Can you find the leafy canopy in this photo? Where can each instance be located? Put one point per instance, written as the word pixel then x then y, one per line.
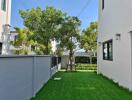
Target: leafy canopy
pixel 44 23
pixel 22 41
pixel 70 33
pixel 88 38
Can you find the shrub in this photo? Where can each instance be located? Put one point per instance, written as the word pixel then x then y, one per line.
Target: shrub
pixel 86 67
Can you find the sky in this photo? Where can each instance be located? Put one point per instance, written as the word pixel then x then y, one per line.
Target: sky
pixel 86 10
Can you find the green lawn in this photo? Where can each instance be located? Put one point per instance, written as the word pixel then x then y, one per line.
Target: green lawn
pixel 82 86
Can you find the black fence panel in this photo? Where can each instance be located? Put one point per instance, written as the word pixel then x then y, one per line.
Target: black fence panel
pixel 94 60
pixel 82 60
pixel 59 60
pixel 54 61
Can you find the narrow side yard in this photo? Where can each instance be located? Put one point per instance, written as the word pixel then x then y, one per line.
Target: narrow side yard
pixel 82 86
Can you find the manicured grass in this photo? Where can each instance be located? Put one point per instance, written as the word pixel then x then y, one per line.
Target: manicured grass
pixel 82 86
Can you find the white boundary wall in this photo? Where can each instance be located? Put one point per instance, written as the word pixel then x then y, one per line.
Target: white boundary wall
pixel 21 77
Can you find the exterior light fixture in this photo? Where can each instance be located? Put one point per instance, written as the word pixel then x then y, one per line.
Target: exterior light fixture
pixel 118 36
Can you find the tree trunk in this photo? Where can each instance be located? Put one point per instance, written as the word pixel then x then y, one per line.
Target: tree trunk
pixel 71 59
pixel 90 59
pixel 91 56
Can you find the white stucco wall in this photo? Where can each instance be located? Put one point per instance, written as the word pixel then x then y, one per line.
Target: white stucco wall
pixel 5 17
pixel 64 61
pixel 116 18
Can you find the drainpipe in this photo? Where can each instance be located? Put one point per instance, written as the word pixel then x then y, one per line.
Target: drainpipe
pixel 7 12
pixel 0 22
pixel 130 88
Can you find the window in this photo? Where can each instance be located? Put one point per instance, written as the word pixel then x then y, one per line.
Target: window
pixel 108 50
pixel 3 5
pixel 15 38
pixel 0 48
pixel 102 4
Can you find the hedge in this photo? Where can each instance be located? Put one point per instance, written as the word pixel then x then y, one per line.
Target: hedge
pixel 85 60
pixel 86 67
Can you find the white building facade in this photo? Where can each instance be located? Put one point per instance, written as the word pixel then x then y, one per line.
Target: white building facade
pixel 5 15
pixel 115 41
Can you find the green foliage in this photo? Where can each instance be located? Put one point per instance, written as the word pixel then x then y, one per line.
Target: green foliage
pixel 86 67
pixel 25 44
pixel 59 51
pixel 44 23
pixel 50 24
pixel 40 49
pixel 89 38
pixel 69 36
pixel 22 41
pixel 70 33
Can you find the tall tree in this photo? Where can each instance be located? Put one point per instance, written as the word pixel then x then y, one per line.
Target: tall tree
pixel 59 50
pixel 69 36
pixel 88 39
pixel 44 24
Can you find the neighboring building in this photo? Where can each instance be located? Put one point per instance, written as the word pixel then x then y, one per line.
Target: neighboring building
pixel 5 14
pixel 115 41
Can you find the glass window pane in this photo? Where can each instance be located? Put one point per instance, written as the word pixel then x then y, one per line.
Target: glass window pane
pixel 0 48
pixel 102 4
pixel 110 51
pixel 105 51
pixel 3 5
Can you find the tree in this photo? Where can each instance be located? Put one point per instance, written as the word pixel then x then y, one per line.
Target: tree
pixel 44 24
pixel 69 36
pixel 22 41
pixel 89 38
pixel 59 50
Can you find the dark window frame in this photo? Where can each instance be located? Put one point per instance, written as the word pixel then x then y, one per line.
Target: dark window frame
pixel 15 38
pixel 3 5
pixel 103 4
pixel 1 48
pixel 54 61
pixel 109 54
